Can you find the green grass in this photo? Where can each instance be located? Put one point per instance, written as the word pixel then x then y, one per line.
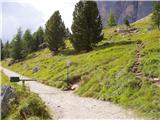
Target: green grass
pixel 25 99
pixel 104 73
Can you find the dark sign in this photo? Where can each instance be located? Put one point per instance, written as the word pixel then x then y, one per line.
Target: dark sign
pixel 14 79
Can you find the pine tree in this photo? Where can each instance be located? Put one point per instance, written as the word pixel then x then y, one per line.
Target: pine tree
pixel 126 22
pixel 35 41
pixel 16 50
pixel 67 33
pixel 86 26
pixel 38 38
pixel 55 32
pixel 111 20
pixel 40 34
pixel 156 14
pixel 6 50
pixel 2 52
pixel 28 42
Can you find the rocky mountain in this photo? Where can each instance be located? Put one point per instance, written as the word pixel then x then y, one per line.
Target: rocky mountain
pixel 133 10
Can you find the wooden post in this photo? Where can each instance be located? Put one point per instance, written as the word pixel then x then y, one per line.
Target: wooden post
pixel 68 64
pixel 23 84
pixel 67 75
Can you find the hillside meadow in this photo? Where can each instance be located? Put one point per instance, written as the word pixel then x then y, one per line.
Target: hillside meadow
pixel 105 73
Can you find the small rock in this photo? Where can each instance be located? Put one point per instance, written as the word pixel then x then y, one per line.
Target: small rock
pixel 53 53
pixel 25 67
pixel 16 61
pixel 35 69
pixel 50 55
pixel 33 55
pixel 74 86
pixel 156 79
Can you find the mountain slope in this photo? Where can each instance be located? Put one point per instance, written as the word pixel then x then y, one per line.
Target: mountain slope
pixel 105 73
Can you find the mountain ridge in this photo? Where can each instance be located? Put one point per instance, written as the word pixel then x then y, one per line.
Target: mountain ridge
pixel 133 10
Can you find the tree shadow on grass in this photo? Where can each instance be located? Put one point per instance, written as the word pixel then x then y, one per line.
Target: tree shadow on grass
pixel 111 44
pixel 67 52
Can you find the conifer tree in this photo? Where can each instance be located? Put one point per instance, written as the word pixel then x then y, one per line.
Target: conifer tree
pixel 6 50
pixel 126 22
pixel 16 50
pixel 86 26
pixel 2 52
pixel 156 14
pixel 38 38
pixel 28 42
pixel 40 34
pixel 67 33
pixel 55 32
pixel 111 20
pixel 35 41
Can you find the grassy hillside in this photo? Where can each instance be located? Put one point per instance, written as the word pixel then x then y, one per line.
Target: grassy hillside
pixel 104 73
pixel 25 100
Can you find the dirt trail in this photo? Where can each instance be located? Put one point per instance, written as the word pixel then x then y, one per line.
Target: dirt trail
pixel 136 66
pixel 66 105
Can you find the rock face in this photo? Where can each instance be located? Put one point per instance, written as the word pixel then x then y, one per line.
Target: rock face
pixel 7 93
pixel 133 10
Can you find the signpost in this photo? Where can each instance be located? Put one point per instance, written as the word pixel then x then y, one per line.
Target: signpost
pixel 68 64
pixel 17 79
pixel 14 79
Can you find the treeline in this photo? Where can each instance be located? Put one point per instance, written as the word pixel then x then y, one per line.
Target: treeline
pixel 86 32
pixel 22 44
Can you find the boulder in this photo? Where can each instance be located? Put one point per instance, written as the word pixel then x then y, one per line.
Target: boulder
pixel 7 96
pixel 11 62
pixel 42 46
pixel 121 30
pixel 35 69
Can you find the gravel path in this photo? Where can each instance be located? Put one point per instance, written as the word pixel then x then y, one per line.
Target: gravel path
pixel 66 105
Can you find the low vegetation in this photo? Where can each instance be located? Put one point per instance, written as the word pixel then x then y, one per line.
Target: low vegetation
pixel 24 101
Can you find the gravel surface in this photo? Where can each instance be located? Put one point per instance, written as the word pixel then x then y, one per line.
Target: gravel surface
pixel 66 105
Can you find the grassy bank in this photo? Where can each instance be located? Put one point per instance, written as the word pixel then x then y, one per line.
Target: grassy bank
pixel 104 73
pixel 24 100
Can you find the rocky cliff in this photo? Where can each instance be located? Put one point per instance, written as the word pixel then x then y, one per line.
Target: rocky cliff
pixel 133 10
